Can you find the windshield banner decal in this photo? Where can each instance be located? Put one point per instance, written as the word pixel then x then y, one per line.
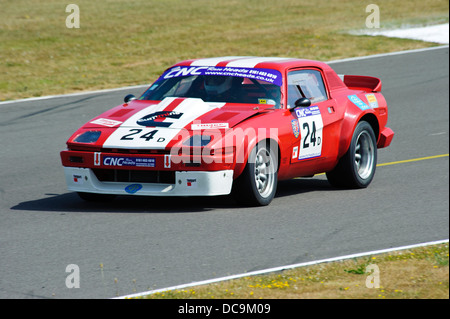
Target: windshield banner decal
pixel 268 75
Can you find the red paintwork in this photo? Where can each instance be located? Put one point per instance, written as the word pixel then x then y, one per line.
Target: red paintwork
pixel 340 116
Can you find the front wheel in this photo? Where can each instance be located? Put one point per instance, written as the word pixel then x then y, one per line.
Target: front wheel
pixel 257 184
pixel 356 168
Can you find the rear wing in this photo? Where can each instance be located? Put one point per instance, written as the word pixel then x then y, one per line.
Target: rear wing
pixel 361 82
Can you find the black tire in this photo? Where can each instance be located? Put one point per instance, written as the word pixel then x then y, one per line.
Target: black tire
pixel 257 184
pixel 92 197
pixel 356 168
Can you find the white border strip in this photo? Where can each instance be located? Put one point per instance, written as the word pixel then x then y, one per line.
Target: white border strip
pixel 147 85
pixel 281 268
pixel 380 55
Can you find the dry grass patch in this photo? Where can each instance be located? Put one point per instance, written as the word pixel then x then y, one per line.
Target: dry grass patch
pixel 420 273
pixel 123 43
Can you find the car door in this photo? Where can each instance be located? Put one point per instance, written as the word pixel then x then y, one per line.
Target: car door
pixel 317 140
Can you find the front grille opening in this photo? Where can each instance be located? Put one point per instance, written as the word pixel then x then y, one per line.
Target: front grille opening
pixel 134 176
pixel 134 151
pixel 75 159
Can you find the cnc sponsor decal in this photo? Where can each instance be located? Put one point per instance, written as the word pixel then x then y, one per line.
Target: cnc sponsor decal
pixel 157 118
pixel 295 128
pixel 311 127
pixel 129 161
pixel 133 188
pixel 267 75
pixel 106 122
pixel 371 98
pixel 309 111
pixel 358 102
pixel 204 126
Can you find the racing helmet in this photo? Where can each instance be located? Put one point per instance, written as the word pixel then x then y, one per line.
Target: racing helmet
pixel 217 84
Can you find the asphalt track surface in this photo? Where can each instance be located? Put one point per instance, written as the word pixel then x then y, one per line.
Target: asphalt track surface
pixel 138 244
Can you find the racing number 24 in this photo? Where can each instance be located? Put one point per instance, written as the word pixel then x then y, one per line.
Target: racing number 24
pixel 147 136
pixel 312 138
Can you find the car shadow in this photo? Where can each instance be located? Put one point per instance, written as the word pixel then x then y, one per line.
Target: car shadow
pixel 71 202
pixel 299 186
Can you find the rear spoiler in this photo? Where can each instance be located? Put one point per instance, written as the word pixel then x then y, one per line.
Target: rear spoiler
pixel 361 82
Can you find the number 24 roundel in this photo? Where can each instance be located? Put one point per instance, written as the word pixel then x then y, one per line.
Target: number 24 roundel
pixel 311 127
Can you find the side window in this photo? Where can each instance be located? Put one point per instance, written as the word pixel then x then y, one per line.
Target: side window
pixel 306 83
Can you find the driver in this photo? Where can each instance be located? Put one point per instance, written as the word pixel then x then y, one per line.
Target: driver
pixel 220 88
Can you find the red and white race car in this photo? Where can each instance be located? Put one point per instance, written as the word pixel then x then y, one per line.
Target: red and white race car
pixel 236 125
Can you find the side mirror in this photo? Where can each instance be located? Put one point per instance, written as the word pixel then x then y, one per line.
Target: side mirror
pixel 129 98
pixel 303 102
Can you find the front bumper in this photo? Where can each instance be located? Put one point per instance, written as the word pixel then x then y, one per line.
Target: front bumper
pixel 186 183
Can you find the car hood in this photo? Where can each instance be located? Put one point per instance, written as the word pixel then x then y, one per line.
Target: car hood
pixel 175 113
pixel 168 118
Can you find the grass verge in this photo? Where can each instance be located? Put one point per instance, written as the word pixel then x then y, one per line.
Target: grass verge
pixel 122 43
pixel 419 273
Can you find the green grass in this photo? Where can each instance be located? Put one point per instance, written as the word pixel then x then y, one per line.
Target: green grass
pixel 122 43
pixel 419 273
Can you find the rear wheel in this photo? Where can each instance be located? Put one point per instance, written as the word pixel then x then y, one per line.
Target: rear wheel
pixel 356 168
pixel 257 184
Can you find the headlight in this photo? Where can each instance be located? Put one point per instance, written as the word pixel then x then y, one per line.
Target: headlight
pixel 88 137
pixel 197 140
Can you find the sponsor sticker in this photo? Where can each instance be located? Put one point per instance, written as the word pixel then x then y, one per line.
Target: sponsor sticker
pixel 167 161
pixel 204 126
pixel 78 179
pixel 371 98
pixel 311 127
pixel 358 102
pixel 133 188
pixel 267 75
pixel 106 122
pixel 266 101
pixel 305 112
pixel 295 152
pixel 295 128
pixel 97 156
pixel 157 118
pixel 191 182
pixel 129 161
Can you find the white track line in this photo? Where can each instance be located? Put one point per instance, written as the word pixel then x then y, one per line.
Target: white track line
pixel 387 54
pixel 75 94
pixel 281 268
pixel 147 85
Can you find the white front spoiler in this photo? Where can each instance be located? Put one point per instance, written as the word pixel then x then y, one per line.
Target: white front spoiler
pixel 187 183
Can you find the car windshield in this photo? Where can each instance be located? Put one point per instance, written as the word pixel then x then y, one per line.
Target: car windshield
pixel 214 84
